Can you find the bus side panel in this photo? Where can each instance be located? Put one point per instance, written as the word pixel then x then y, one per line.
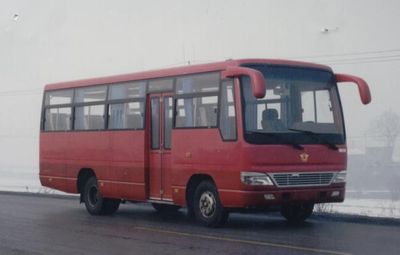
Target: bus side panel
pixel 126 172
pixel 90 150
pixel 117 158
pixel 52 160
pixel 206 153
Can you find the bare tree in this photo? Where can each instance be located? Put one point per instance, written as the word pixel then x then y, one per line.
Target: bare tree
pixel 387 127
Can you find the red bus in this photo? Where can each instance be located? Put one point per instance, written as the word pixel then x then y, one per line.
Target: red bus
pixel 239 134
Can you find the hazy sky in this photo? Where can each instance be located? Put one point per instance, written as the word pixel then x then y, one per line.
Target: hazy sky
pixel 46 41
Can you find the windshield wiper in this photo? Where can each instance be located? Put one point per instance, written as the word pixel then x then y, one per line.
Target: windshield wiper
pixel 317 137
pixel 279 139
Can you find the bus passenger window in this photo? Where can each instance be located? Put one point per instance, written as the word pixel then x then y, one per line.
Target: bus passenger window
pixel 197 112
pixel 57 110
pixel 90 94
pixel 126 115
pixel 127 90
pixel 89 117
pixel 59 97
pixel 58 119
pixel 199 83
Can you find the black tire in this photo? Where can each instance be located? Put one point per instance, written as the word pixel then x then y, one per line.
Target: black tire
pixel 297 213
pixel 190 211
pixel 165 208
pixel 207 206
pixel 95 203
pixel 110 206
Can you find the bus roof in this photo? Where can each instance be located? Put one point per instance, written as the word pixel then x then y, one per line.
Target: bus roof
pixel 175 71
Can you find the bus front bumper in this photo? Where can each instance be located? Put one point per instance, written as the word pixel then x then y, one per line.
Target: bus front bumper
pixel 243 199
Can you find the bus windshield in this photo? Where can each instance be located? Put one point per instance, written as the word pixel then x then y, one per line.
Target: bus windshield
pixel 301 106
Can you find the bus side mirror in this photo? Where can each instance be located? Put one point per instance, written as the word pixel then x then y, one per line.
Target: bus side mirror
pixel 256 78
pixel 363 88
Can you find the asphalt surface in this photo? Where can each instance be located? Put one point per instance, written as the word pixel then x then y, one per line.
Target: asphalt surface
pixel 56 225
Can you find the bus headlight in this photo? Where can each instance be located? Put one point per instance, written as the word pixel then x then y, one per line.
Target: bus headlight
pixel 255 178
pixel 340 177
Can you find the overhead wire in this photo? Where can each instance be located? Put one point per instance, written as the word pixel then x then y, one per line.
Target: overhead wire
pixel 377 56
pixel 367 58
pixel 363 62
pixel 21 92
pixel 347 54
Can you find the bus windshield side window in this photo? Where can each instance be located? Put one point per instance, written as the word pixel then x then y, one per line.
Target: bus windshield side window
pixel 227 115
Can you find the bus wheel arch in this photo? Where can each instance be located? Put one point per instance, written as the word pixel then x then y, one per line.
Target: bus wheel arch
pixel 191 186
pixel 83 176
pixel 95 203
pixel 203 187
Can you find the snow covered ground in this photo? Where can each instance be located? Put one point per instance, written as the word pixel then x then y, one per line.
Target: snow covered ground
pixel 384 208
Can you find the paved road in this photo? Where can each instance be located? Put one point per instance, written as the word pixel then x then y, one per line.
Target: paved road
pixel 48 225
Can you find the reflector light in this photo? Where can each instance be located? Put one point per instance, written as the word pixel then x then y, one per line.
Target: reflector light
pixel 335 193
pixel 269 196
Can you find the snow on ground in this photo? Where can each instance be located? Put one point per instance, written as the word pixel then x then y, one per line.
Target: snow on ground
pixel 384 208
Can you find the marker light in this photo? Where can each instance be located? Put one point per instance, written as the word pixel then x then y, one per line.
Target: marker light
pixel 255 178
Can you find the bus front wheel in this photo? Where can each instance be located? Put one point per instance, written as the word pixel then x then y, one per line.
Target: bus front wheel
pixel 297 213
pixel 207 206
pixel 94 201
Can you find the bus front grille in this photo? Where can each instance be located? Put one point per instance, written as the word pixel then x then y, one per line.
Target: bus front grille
pixel 302 179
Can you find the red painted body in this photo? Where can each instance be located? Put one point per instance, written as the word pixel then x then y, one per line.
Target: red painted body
pixel 127 168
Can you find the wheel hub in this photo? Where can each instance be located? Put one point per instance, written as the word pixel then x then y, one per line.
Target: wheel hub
pixel 93 196
pixel 207 204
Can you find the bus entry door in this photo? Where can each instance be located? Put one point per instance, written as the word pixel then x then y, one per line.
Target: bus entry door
pixel 161 109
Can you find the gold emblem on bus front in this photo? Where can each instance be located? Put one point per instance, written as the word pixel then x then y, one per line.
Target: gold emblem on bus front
pixel 304 157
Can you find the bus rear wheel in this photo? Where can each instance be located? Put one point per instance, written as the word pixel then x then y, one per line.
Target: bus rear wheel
pixel 297 213
pixel 207 206
pixel 94 201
